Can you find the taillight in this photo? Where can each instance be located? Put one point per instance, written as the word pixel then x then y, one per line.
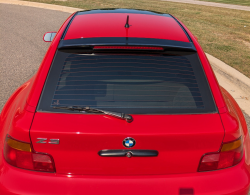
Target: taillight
pixel 129 47
pixel 229 155
pixel 20 154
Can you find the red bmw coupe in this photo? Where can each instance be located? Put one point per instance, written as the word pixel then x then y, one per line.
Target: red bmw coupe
pixel 124 102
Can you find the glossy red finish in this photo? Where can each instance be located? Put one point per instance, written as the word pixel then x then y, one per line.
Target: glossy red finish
pixel 112 25
pixel 233 121
pixel 81 137
pixel 233 181
pixel 16 118
pixel 182 140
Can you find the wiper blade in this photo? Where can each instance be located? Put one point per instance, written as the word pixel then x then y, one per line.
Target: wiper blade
pixel 123 116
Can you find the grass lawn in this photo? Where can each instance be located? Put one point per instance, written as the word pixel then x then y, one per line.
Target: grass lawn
pixel 236 2
pixel 223 33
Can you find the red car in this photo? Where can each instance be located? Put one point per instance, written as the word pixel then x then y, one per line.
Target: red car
pixel 124 102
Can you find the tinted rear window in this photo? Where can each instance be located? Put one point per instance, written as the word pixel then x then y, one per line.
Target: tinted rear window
pixel 129 83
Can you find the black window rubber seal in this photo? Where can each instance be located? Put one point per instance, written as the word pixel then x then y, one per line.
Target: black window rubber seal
pixel 188 36
pixel 68 25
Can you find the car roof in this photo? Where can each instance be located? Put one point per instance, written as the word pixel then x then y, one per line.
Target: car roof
pixel 111 23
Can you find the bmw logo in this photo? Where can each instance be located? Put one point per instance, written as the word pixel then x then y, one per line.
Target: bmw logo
pixel 129 142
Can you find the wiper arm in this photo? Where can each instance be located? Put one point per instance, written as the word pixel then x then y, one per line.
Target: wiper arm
pixel 123 116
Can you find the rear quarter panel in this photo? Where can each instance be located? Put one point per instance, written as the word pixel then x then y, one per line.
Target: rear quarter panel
pixel 18 112
pixel 231 114
pixel 15 119
pixel 235 124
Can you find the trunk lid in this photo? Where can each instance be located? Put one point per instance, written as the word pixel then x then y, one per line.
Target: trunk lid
pixel 180 140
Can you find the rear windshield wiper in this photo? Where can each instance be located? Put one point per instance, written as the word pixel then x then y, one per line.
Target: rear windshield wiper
pixel 123 116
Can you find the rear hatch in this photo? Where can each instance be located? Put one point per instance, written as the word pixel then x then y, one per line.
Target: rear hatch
pixel 180 141
pixel 166 93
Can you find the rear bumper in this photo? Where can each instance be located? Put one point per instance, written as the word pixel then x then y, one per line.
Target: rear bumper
pixel 233 181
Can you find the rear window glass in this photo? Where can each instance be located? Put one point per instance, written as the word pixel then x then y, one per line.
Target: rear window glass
pixel 129 83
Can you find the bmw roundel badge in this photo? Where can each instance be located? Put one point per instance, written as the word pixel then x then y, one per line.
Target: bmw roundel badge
pixel 129 142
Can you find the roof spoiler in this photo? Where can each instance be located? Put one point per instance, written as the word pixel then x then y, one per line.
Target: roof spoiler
pixel 123 41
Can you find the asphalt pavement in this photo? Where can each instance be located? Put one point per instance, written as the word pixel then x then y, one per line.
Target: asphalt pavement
pixel 22 47
pixel 21 41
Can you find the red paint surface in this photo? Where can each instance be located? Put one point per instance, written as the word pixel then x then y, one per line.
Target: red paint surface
pixel 233 121
pixel 233 181
pixel 15 118
pixel 112 25
pixel 180 140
